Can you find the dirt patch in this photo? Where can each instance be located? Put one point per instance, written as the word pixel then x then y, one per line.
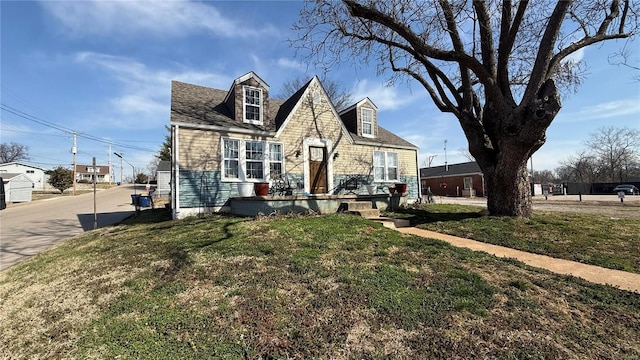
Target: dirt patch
pixel 607 205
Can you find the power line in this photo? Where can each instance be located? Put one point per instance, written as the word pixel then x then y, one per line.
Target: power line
pixel 32 133
pixel 52 125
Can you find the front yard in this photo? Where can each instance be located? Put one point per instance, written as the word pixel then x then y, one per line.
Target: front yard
pixel 330 287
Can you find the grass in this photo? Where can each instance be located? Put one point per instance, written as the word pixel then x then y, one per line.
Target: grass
pixel 588 238
pixel 327 287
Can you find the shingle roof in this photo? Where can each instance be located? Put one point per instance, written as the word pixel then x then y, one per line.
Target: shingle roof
pixel 385 137
pixel 164 165
pixel 9 176
pixel 199 105
pixel 84 169
pixel 453 170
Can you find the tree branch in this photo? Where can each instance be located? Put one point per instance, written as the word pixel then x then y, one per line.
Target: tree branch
pixel 486 37
pixel 404 31
pixel 543 58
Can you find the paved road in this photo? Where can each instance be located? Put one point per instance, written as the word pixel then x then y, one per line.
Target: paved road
pixel 29 228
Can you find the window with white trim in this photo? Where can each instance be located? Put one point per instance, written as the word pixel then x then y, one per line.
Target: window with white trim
pixel 254 151
pixel 252 105
pixel 276 159
pixel 367 122
pixel 385 166
pixel 247 160
pixel 231 159
pixel 468 183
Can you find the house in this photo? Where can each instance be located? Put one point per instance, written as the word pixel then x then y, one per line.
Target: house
pixel 223 140
pixel 34 173
pixel 163 176
pixel 85 173
pixel 17 187
pixel 464 179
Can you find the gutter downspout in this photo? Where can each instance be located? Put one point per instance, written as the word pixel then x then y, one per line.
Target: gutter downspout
pixel 419 180
pixel 175 198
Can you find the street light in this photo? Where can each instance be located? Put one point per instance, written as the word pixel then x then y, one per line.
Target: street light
pixel 133 170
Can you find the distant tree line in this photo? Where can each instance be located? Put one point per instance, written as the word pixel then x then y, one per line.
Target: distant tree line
pixel 611 155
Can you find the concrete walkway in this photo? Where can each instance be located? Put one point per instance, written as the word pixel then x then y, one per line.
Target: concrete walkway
pixel 620 279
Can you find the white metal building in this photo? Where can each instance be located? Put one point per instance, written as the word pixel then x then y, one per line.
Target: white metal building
pixel 34 173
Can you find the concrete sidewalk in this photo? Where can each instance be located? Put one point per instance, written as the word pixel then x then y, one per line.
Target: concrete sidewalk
pixel 621 279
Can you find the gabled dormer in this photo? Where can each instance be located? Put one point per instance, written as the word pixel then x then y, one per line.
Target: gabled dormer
pixel 361 118
pixel 248 99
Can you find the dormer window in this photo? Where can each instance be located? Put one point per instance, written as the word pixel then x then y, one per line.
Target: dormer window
pixel 367 122
pixel 252 102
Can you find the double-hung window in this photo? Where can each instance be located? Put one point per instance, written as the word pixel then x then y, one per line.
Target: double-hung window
pixel 254 151
pixel 276 159
pixel 252 101
pixel 251 159
pixel 385 166
pixel 231 159
pixel 367 122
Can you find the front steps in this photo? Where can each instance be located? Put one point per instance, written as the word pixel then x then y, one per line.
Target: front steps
pixel 364 209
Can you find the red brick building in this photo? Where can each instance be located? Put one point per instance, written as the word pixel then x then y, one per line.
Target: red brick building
pixel 465 179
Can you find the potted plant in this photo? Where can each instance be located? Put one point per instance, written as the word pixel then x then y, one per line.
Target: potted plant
pixel 401 188
pixel 245 189
pixel 261 188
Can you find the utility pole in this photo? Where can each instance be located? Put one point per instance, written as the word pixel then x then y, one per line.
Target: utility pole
pixel 95 213
pixel 121 183
pixel 446 167
pixel 74 150
pixel 110 164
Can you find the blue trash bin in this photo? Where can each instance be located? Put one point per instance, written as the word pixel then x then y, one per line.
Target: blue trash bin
pixel 144 201
pixel 135 199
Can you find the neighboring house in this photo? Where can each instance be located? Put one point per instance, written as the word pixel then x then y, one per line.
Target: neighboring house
pixel 85 173
pixel 17 187
pixel 163 176
pixel 34 173
pixel 222 138
pixel 464 179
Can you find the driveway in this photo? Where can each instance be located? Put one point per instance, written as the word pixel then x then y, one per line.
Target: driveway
pixel 29 228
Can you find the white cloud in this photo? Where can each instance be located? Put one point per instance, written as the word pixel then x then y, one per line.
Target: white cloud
pixel 385 97
pixel 142 100
pixel 289 64
pixel 159 18
pixel 606 110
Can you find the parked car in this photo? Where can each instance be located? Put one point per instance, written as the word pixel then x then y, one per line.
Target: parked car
pixel 627 189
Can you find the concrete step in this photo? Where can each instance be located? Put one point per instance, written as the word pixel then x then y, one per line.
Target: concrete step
pixel 356 205
pixel 367 214
pixel 392 223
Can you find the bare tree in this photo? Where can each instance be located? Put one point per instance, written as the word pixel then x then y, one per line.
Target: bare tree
pixel 617 151
pixel 544 177
pixel 579 168
pixel 493 64
pixel 340 98
pixel 13 152
pixel 465 152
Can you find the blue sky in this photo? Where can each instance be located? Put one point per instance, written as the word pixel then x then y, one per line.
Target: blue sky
pixel 104 70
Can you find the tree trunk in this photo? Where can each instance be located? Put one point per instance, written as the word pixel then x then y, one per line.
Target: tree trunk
pixel 503 141
pixel 508 188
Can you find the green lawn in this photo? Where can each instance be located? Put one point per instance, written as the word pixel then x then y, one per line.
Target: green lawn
pixel 329 287
pixel 588 238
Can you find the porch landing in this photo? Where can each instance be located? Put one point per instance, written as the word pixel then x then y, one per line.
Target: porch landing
pixel 323 204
